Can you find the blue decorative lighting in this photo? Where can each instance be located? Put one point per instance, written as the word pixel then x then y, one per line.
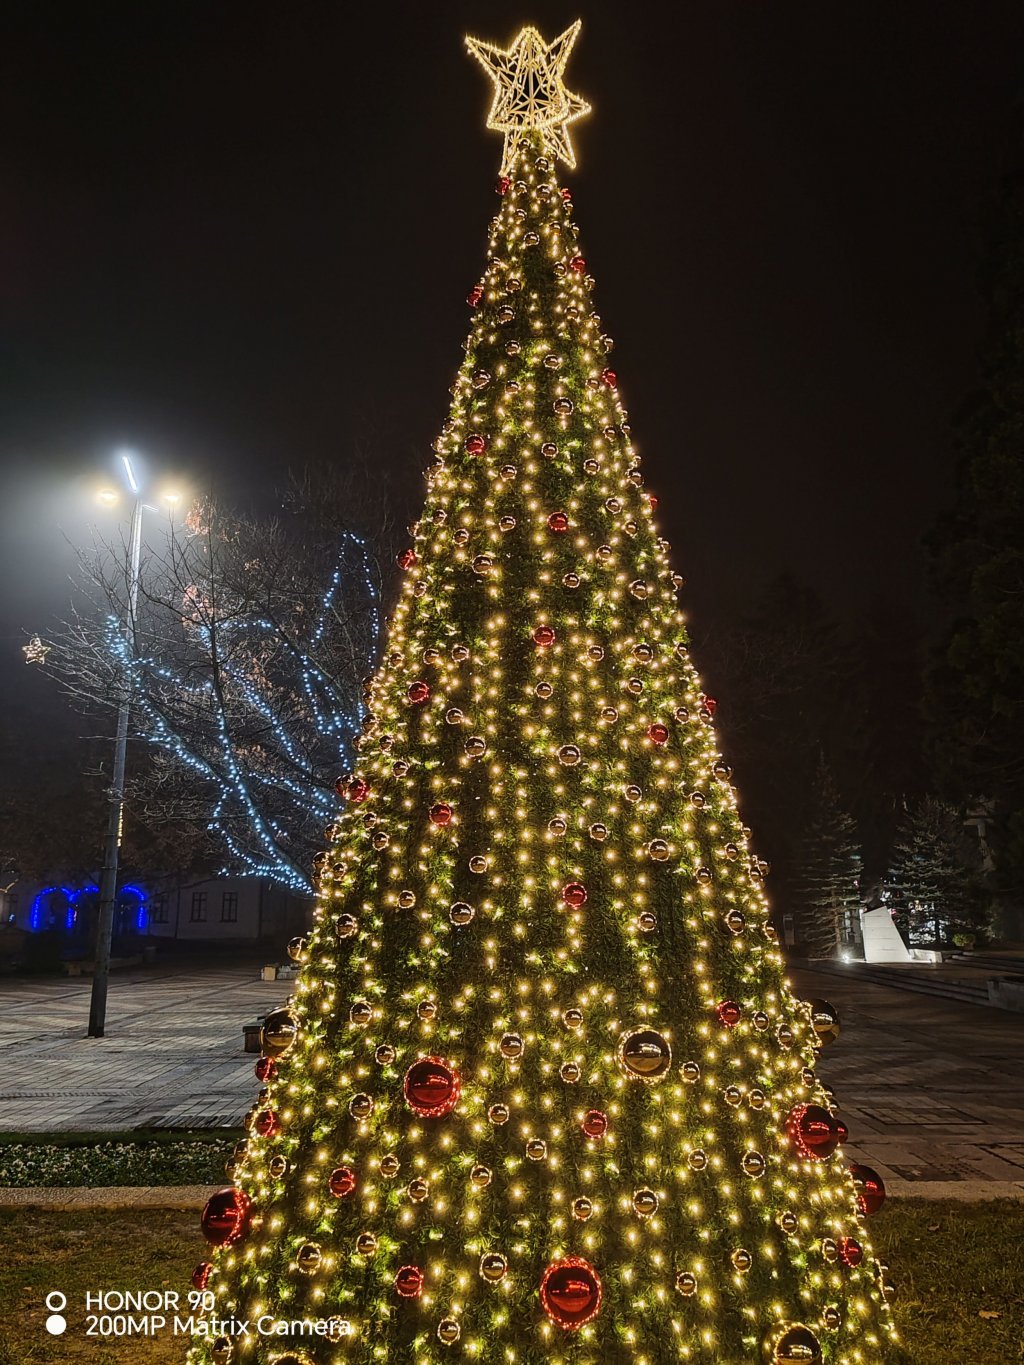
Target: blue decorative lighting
pixel 265 788
pixel 142 911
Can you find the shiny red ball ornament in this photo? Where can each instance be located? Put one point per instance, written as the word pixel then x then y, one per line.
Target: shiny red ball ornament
pixel 578 264
pixel 409 1282
pixel 570 1292
pixel 870 1188
pixel 418 693
pixel 710 705
pixel 851 1253
pixel 266 1069
pixel 566 193
pixel 440 813
pixel 653 499
pixel 729 1013
pixel 407 559
pixel 267 1123
pixel 657 733
pixel 225 1219
pixel 432 1087
pixel 502 185
pixel 558 522
pixel 594 1123
pixel 201 1275
pixel 357 790
pixel 341 1181
pixel 574 894
pixel 476 444
pixel 814 1132
pixel 475 295
pixel 544 636
pixel 609 377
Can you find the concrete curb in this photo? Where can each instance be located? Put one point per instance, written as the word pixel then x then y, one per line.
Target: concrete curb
pixel 193 1197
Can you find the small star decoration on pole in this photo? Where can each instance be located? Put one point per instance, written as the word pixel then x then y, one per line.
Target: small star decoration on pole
pixel 35 651
pixel 529 92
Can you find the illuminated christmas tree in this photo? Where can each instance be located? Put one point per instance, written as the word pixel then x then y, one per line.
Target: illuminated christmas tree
pixel 542 1093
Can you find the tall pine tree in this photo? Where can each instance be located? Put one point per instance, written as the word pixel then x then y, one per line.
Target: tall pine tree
pixel 827 888
pixel 542 1093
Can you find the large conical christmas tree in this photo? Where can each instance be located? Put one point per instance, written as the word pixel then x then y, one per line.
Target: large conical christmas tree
pixel 542 1093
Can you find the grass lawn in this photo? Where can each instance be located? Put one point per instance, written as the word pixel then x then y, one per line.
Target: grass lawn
pixel 957 1270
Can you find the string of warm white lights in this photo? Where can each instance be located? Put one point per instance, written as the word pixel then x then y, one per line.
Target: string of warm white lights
pixel 543 1093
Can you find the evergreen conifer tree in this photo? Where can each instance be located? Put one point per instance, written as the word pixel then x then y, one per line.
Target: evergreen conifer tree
pixel 542 1093
pixel 828 876
pixel 935 882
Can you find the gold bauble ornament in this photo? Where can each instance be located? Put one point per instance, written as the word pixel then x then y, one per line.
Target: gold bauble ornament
pixel 308 1258
pixel 645 1055
pixel 582 1208
pixel 480 1176
pixel 448 1331
pixel 645 1203
pixel 686 1283
pixel 511 1045
pixel 493 1267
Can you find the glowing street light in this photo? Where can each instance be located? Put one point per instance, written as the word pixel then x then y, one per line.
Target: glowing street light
pixel 110 497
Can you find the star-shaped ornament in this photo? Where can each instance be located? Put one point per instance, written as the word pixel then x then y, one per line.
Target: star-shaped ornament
pixel 529 92
pixel 35 651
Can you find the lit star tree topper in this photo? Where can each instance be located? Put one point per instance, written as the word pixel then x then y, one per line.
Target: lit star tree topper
pixel 529 92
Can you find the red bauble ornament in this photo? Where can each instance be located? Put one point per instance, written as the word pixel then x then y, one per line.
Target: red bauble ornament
pixel 657 733
pixel 432 1087
pixel 566 193
pixel 544 636
pixel 409 1282
pixel 578 264
pixel 870 1188
pixel 476 444
pixel 814 1132
pixel 475 295
pixel 653 499
pixel 440 813
pixel 266 1069
pixel 502 185
pixel 341 1181
pixel 418 693
pixel 225 1220
pixel 851 1252
pixel 710 705
pixel 201 1275
pixel 558 521
pixel 729 1013
pixel 407 559
pixel 594 1123
pixel 609 377
pixel 570 1292
pixel 357 790
pixel 267 1123
pixel 574 894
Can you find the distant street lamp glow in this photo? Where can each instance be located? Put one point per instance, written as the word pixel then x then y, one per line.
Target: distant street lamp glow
pixel 108 497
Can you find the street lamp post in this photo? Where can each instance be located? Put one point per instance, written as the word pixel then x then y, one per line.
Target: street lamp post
pixel 115 819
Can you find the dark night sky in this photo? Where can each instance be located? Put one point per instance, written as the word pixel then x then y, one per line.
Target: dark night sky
pixel 238 236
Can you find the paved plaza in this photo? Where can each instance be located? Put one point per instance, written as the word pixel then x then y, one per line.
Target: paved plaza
pixel 932 1090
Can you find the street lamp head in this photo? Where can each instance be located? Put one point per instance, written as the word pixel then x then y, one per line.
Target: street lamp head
pixel 129 471
pixel 172 497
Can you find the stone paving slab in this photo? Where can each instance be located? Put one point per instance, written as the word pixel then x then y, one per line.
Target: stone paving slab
pixel 932 1090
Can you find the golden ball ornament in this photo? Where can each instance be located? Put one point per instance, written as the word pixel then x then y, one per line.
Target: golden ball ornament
pixel 480 1176
pixel 690 1072
pixel 598 832
pixel 697 1160
pixel 742 1260
pixel 389 1166
pixel 417 1190
pixel 536 1149
pixel 361 1106
pixel 297 947
pixel 346 925
pixel 221 1351
pixel 497 1114
pixel 570 1072
pixel 406 900
pixel 361 1013
pixel 426 1010
pixel 645 1055
pixel 511 1045
pixel 582 1209
pixel 572 1018
pixel 478 863
pixel 308 1258
pixel 686 1283
pixel 448 1331
pixel 645 1203
pixel 647 922
pixel 366 1244
pixel 278 1167
pixel 476 746
pixel 793 1344
pixel 280 1029
pixel 384 1054
pixel 462 912
pixel 824 1021
pixel 658 850
pixel 493 1267
pixel 753 1164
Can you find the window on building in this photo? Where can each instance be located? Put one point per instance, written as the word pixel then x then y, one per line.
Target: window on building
pixel 198 912
pixel 229 907
pixel 158 908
